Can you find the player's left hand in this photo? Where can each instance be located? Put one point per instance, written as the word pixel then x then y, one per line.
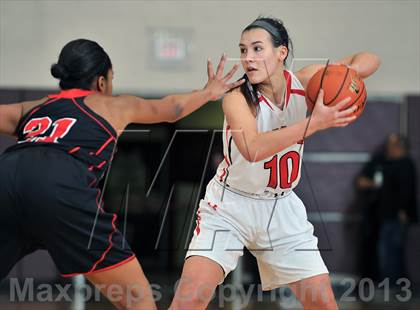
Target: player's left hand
pixel 217 85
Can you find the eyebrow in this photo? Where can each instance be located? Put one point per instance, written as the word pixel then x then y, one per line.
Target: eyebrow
pixel 253 43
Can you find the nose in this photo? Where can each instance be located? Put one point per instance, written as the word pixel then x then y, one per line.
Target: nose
pixel 249 57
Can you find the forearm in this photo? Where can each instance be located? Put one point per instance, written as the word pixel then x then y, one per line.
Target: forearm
pixel 266 144
pixel 185 104
pixel 364 63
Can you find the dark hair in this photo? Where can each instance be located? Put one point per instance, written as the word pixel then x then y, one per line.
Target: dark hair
pixel 279 37
pixel 79 63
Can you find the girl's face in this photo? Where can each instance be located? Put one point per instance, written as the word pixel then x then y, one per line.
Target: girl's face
pixel 259 58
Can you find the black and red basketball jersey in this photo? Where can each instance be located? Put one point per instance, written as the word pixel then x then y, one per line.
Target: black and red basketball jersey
pixel 64 121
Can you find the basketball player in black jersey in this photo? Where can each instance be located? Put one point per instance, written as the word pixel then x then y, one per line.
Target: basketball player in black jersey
pixel 49 197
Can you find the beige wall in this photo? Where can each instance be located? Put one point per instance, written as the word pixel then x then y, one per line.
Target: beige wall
pixel 33 32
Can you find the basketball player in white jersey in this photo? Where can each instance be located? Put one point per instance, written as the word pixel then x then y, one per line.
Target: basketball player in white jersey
pixel 250 202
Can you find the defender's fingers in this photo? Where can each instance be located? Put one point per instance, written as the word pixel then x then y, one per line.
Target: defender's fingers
pixel 221 66
pixel 231 73
pixel 236 84
pixel 210 71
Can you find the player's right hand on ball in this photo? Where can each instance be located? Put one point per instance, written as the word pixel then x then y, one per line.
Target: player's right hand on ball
pixel 324 117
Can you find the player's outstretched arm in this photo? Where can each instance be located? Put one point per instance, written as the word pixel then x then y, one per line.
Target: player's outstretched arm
pixel 255 146
pixel 174 107
pixel 364 63
pixel 9 117
pixel 10 114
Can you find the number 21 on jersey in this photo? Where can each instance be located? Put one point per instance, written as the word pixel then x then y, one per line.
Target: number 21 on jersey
pixel 38 126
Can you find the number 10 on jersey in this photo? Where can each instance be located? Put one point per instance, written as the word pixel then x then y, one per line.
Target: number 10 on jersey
pixel 279 170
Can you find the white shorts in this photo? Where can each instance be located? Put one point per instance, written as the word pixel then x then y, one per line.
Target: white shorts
pixel 275 231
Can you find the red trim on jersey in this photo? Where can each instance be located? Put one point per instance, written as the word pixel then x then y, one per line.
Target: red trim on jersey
pixel 30 114
pixel 101 164
pixel 74 150
pixel 34 110
pixel 94 118
pixel 104 254
pixel 97 166
pixel 93 182
pixel 213 206
pixel 103 146
pixel 223 174
pixel 224 155
pixel 227 142
pixel 97 202
pixel 262 99
pixel 296 91
pixel 72 93
pixel 227 160
pixel 288 78
pixel 114 228
pixel 197 228
pixel 288 90
pixel 224 169
pixel 102 269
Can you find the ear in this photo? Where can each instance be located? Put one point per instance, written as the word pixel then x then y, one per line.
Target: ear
pixel 283 51
pixel 101 84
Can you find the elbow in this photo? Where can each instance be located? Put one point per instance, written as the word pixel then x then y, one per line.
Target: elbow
pixel 255 159
pixel 176 110
pixel 252 160
pixel 172 119
pixel 251 150
pixel 252 156
pixel 378 62
pixel 375 60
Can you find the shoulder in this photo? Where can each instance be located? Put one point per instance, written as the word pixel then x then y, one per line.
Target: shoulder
pixel 305 74
pixel 109 107
pixel 101 102
pixel 234 100
pixel 113 103
pixel 28 105
pixel 234 96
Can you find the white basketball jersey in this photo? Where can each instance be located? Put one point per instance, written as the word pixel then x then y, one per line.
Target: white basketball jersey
pixel 279 173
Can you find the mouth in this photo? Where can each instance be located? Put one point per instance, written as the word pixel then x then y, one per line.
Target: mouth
pixel 251 69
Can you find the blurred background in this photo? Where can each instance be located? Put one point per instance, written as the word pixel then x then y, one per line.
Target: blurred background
pixel 358 183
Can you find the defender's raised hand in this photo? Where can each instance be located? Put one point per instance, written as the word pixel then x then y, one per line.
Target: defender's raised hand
pixel 217 85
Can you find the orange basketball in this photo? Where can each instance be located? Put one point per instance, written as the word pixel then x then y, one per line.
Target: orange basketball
pixel 338 83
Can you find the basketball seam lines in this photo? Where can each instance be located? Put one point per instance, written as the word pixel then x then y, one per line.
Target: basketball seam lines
pixel 341 87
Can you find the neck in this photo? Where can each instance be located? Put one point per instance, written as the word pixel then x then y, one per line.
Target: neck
pixel 273 88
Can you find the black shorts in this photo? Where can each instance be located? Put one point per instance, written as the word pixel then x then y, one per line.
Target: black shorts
pixel 46 203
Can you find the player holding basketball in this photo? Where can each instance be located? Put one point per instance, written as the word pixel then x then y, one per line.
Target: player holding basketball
pixel 49 197
pixel 250 202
